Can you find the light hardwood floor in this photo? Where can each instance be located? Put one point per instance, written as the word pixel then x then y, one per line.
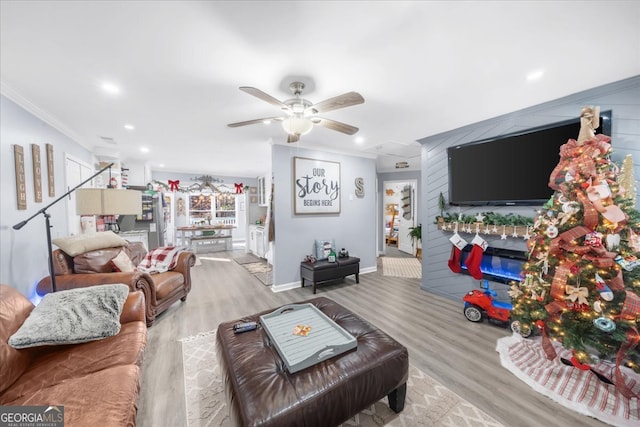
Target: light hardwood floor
pixel 441 342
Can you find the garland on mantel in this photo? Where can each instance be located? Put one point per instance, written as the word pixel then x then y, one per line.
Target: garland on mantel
pixel 490 218
pixel 488 223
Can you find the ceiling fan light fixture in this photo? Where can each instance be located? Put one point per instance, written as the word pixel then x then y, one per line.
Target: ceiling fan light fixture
pixel 297 125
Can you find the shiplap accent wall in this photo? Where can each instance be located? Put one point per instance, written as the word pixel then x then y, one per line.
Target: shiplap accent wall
pixel 622 98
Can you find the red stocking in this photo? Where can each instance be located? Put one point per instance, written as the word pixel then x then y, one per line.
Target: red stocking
pixel 473 262
pixel 458 244
pixel 454 260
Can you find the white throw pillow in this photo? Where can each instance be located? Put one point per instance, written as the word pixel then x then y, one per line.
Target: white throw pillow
pixel 76 245
pixel 122 263
pixel 73 316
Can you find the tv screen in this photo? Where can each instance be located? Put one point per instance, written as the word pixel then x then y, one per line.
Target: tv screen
pixel 511 169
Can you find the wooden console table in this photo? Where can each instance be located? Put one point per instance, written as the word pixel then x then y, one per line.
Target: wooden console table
pixel 198 237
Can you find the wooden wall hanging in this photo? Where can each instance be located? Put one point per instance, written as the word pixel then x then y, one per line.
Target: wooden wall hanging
pixel 37 173
pixel 52 186
pixel 21 187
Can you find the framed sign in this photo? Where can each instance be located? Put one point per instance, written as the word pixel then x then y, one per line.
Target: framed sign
pixel 316 186
pixel 21 186
pixel 37 172
pixel 52 186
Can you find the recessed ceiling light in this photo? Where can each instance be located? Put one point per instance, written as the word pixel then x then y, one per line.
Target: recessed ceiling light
pixel 266 122
pixel 144 149
pixel 535 75
pixel 161 165
pixel 110 88
pixel 129 127
pixel 359 139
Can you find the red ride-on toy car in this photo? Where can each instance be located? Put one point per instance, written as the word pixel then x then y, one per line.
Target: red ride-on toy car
pixel 479 304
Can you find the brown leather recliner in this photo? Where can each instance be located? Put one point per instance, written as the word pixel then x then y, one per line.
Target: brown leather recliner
pixel 92 268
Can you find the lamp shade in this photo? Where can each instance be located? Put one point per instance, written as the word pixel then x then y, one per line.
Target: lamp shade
pixel 108 201
pixel 297 125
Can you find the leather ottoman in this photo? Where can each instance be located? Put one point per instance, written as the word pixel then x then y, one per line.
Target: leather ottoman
pixel 323 271
pixel 261 392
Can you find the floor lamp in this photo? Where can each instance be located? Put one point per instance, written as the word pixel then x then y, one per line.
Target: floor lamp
pixel 121 202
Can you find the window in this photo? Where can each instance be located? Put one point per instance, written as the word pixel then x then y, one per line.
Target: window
pixel 210 209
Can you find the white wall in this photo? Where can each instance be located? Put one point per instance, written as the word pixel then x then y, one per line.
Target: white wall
pixel 23 253
pixel 354 228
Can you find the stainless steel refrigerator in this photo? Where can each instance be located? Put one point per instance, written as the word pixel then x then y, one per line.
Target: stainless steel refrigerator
pixel 152 219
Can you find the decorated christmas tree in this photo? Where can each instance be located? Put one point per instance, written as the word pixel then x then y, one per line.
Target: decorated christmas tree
pixel 581 284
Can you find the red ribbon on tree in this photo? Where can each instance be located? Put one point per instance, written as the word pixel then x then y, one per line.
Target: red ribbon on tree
pixel 173 185
pixel 547 345
pixel 239 188
pixel 632 341
pixel 578 160
pixel 590 216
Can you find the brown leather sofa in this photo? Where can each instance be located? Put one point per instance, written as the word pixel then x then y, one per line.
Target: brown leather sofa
pixel 92 268
pixel 97 382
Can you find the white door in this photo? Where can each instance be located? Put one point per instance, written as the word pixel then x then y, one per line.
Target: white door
pixel 76 171
pixel 407 217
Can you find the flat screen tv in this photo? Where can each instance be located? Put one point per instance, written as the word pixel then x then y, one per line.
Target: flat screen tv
pixel 511 169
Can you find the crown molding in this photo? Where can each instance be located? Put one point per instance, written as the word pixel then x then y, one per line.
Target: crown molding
pixel 40 113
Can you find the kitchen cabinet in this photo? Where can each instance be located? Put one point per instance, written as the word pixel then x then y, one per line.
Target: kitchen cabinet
pixel 257 240
pixel 262 191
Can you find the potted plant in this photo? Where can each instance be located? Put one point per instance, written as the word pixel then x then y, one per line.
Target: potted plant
pixel 416 236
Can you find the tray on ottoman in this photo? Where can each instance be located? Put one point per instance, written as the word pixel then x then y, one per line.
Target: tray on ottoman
pixel 324 339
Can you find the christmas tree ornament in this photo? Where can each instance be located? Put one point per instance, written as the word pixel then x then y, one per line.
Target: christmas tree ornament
pixel 597 306
pixel 474 259
pixel 605 324
pixel 627 180
pixel 612 241
pixel 603 289
pixel 593 239
pixel 589 122
pixel 552 231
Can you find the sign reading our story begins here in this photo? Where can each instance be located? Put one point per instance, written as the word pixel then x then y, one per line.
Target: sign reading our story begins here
pixel 316 188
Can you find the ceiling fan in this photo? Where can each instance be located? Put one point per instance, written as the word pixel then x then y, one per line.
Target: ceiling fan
pixel 300 114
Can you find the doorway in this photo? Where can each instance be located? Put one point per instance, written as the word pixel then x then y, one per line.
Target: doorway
pixel 399 214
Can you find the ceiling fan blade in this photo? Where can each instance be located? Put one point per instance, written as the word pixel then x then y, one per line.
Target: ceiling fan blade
pixel 264 96
pixel 334 125
pixel 345 100
pixel 252 122
pixel 293 137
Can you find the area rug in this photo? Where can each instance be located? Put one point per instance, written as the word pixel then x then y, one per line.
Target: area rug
pixel 428 403
pixel 246 259
pixel 402 267
pixel 579 390
pixel 261 270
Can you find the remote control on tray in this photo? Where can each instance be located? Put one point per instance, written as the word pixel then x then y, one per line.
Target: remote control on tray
pixel 244 327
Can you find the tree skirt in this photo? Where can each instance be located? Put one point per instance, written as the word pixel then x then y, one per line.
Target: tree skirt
pixel 581 391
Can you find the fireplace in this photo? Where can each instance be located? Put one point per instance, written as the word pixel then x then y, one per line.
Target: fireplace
pixel 498 265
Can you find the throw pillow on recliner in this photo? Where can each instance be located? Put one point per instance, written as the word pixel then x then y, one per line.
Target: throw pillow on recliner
pixel 81 243
pixel 324 248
